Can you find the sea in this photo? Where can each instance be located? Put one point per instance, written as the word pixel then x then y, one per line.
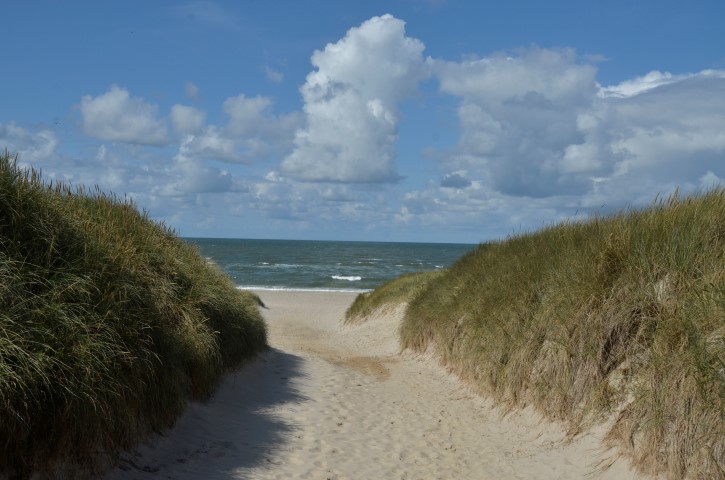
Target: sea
pixel 323 265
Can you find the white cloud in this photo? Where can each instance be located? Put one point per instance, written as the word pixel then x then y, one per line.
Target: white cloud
pixel 247 116
pixel 189 175
pixel 195 178
pixel 670 133
pixel 629 88
pixel 186 119
pixel 30 146
pixel 455 180
pixel 518 115
pixel 252 133
pixel 351 104
pixel 318 207
pixel 541 140
pixel 538 125
pixel 117 116
pixel 710 180
pixel 102 153
pixel 540 78
pixel 212 143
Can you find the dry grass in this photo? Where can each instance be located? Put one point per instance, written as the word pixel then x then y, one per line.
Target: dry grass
pixel 108 324
pixel 395 292
pixel 620 317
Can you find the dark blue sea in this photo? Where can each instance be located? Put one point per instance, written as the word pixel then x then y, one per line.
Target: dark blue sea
pixel 323 265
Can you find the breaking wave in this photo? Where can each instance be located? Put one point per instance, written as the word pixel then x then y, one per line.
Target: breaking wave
pixel 351 278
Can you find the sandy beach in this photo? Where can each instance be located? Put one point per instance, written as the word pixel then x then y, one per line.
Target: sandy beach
pixel 330 401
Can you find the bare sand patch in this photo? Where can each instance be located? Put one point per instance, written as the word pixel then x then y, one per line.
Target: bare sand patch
pixel 341 402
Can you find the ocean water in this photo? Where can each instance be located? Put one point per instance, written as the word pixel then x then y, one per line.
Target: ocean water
pixel 323 265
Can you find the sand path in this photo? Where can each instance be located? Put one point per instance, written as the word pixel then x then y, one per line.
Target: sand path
pixel 340 402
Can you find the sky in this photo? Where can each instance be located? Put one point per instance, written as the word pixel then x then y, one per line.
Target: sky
pixel 410 120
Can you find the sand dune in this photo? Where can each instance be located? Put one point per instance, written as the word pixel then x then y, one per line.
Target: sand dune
pixel 340 402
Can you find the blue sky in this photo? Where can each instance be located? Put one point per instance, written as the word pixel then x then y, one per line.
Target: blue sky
pixel 409 120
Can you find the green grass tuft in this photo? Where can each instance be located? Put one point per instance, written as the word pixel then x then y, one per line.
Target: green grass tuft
pixel 108 324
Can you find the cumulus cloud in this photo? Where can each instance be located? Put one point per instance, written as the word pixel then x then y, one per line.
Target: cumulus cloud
pixel 196 178
pixel 639 85
pixel 351 104
pixel 517 115
pixel 248 117
pixel 538 125
pixel 455 180
pixel 252 132
pixel 540 139
pixel 212 144
pixel 659 137
pixel 322 208
pixel 710 180
pixel 190 175
pixel 117 116
pixel 186 119
pixel 30 146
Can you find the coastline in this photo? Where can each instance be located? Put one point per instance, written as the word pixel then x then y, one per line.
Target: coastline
pixel 263 289
pixel 334 401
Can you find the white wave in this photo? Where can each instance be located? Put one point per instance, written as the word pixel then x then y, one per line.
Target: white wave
pixel 352 278
pixel 280 266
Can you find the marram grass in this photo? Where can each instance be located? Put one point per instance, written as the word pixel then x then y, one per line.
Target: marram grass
pixel 618 319
pixel 396 291
pixel 108 324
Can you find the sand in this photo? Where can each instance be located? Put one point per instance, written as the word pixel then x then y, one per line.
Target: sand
pixel 330 401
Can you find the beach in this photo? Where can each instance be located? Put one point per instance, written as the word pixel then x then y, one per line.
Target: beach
pixel 334 401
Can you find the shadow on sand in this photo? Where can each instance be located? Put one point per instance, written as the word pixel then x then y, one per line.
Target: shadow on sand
pixel 235 430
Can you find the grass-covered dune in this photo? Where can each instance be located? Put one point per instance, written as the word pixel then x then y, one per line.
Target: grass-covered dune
pixel 109 323
pixel 618 319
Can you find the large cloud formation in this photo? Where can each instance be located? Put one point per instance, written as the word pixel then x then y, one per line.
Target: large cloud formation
pixel 540 138
pixel 656 133
pixel 351 104
pixel 517 114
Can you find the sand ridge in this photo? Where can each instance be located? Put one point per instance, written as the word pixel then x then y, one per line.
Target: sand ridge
pixel 333 401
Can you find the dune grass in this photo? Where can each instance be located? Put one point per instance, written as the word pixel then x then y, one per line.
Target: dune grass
pixel 394 292
pixel 618 318
pixel 108 324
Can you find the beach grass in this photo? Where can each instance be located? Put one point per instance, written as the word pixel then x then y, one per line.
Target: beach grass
pixel 394 292
pixel 109 323
pixel 617 319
